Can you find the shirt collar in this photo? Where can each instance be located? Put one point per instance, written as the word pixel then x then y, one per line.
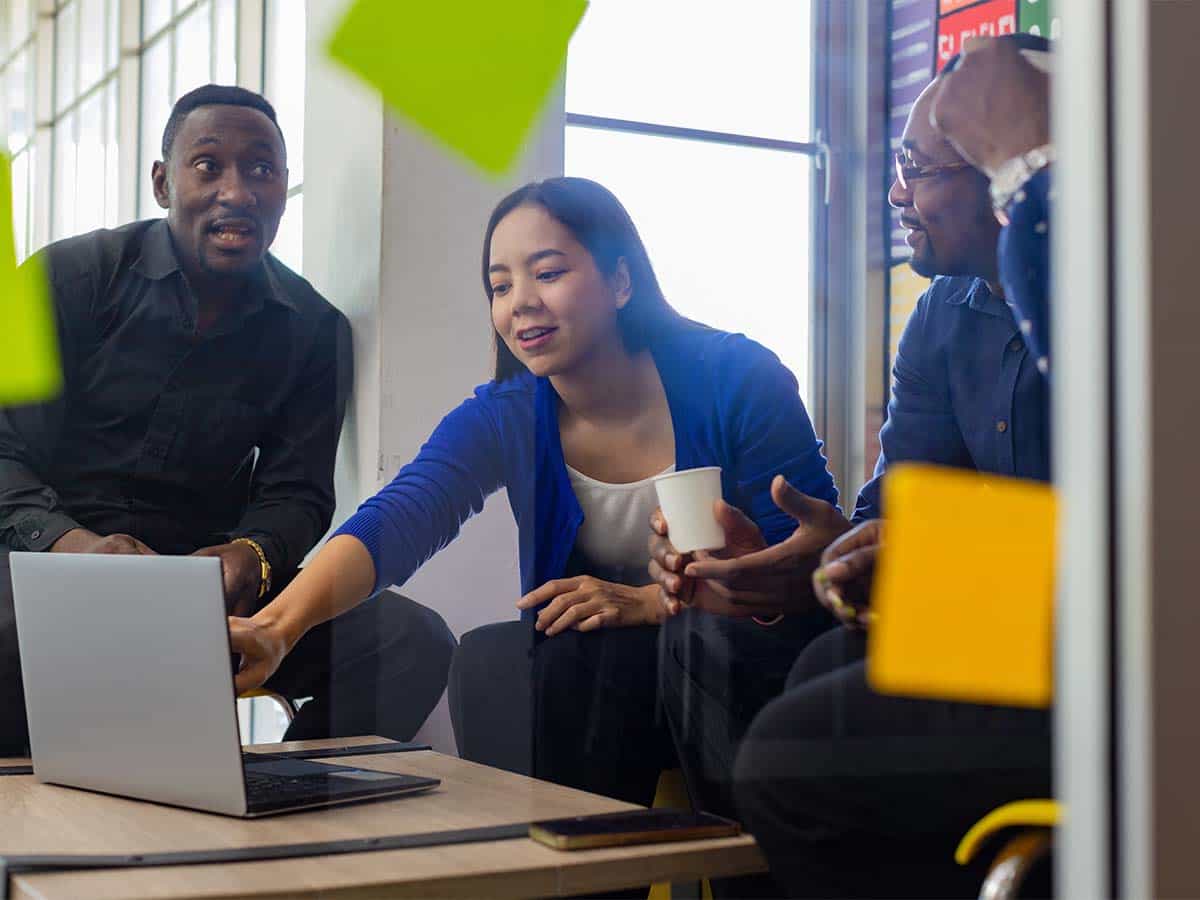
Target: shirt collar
pixel 979 297
pixel 158 260
pixel 268 285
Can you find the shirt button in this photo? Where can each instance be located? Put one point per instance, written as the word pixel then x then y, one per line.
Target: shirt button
pixel 1002 426
pixel 1016 345
pixel 35 535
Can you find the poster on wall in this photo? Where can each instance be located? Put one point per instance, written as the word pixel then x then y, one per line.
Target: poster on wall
pixel 925 34
pixel 913 45
pixel 992 18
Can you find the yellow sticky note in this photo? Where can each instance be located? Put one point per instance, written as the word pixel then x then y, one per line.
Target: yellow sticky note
pixel 29 365
pixel 964 590
pixel 473 73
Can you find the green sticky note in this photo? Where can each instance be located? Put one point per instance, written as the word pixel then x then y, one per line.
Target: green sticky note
pixel 29 366
pixel 475 74
pixel 1039 17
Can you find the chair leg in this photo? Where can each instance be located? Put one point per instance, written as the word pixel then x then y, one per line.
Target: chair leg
pixel 1013 862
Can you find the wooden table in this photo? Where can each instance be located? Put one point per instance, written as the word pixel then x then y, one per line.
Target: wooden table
pixel 38 818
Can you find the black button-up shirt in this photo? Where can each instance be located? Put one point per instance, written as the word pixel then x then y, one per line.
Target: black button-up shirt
pixel 180 439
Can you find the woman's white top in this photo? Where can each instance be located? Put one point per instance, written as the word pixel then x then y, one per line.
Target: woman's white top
pixel 615 533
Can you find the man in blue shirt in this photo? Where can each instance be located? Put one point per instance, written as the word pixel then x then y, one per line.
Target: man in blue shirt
pixel 851 793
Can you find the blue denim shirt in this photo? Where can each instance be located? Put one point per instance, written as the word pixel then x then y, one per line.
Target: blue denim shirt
pixel 966 391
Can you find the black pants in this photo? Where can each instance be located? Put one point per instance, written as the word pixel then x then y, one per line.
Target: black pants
pixel 596 719
pixel 855 794
pixel 716 673
pixel 378 669
pixel 577 709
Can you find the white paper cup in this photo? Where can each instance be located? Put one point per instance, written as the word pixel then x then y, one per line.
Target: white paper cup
pixel 687 500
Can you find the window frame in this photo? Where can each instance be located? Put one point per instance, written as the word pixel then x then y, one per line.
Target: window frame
pixel 126 72
pixel 28 45
pixel 847 371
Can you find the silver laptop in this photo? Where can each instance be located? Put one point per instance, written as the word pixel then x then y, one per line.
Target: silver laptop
pixel 129 690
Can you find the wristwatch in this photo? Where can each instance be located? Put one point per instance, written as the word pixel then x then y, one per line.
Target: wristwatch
pixel 1012 175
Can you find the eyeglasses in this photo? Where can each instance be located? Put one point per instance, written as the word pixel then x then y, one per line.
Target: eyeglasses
pixel 908 171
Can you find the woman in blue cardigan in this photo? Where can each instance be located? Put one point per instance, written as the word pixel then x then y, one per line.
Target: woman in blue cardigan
pixel 599 386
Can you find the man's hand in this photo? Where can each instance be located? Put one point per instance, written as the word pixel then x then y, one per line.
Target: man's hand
pixel 586 603
pixel 262 648
pixel 843 583
pixel 80 540
pixel 241 572
pixel 994 106
pixel 667 564
pixel 748 578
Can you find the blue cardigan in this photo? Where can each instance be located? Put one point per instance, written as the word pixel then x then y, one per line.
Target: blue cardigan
pixel 733 404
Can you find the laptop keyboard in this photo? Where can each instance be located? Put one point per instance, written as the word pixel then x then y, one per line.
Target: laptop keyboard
pixel 276 785
pixel 281 789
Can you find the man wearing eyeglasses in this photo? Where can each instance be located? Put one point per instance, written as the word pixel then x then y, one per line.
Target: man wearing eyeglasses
pixel 851 793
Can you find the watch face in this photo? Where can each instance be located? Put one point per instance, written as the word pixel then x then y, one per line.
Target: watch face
pixel 1039 157
pixel 1042 60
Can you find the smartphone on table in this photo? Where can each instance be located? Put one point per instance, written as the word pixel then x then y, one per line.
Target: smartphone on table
pixel 639 826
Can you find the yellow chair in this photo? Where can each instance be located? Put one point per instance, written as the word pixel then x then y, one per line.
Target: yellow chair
pixel 289 707
pixel 672 794
pixel 1035 821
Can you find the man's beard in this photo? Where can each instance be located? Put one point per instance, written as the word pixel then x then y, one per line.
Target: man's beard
pixel 924 264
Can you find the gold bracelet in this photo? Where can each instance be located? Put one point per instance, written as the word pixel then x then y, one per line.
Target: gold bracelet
pixel 264 585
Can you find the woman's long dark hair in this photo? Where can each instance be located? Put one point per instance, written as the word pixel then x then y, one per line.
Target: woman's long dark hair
pixel 600 223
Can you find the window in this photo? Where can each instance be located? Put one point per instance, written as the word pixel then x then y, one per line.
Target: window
pixel 698 117
pixel 18 48
pixel 84 121
pixel 184 45
pixel 284 87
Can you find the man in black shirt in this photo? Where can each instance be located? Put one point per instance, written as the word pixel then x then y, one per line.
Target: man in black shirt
pixel 205 389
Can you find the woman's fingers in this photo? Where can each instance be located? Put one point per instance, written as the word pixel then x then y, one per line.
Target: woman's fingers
pixel 670 582
pixel 603 619
pixel 251 678
pixel 258 659
pixel 548 591
pixel 664 553
pixel 578 612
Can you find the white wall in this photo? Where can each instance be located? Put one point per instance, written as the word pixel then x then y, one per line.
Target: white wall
pixel 393 229
pixel 436 334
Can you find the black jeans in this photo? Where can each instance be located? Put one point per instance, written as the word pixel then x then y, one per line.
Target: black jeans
pixel 715 675
pixel 378 669
pixel 596 719
pixel 854 794
pixel 578 709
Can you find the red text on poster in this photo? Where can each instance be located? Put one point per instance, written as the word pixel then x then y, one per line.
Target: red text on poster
pixel 992 19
